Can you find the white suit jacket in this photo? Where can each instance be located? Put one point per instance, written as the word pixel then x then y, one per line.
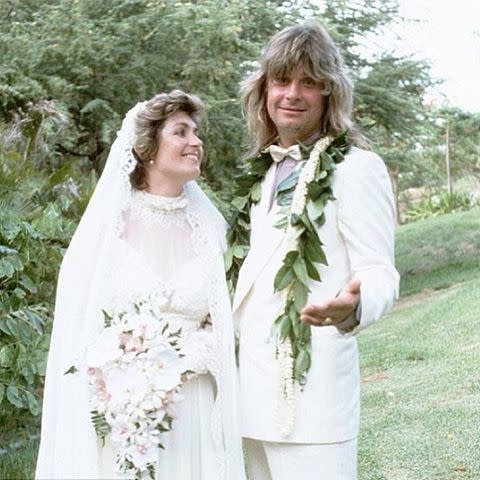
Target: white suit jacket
pixel 358 238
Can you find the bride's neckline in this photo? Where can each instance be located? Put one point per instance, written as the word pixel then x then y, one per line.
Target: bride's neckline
pixel 159 202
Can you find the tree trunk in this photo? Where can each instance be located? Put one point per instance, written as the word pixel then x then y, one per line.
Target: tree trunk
pixel 447 159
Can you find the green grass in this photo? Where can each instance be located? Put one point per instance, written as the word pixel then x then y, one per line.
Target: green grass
pixel 439 251
pixel 420 364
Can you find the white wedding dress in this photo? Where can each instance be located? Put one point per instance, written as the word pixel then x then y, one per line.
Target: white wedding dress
pixel 128 245
pixel 159 252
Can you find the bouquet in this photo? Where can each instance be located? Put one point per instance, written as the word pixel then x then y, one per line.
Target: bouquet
pixel 135 372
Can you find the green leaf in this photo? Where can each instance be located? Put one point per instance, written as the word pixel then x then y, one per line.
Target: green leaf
pixel 28 284
pixel 312 237
pixel 290 258
pixel 327 161
pixel 239 202
pixel 8 250
pixel 7 356
pixel 71 370
pixel 283 278
pixel 312 271
pixel 2 392
pixel 315 209
pixel 6 268
pixel 100 424
pixel 302 363
pixel 240 251
pixel 256 192
pixel 285 198
pixel 13 396
pixel 35 320
pixel 314 190
pixel 107 319
pixel 20 329
pixel 305 334
pixel 33 403
pixel 320 220
pixel 3 326
pixel 300 270
pixel 245 225
pixel 228 259
pixel 296 219
pixel 314 253
pixel 281 223
pixel 284 328
pixel 19 293
pixel 300 295
pixel 24 365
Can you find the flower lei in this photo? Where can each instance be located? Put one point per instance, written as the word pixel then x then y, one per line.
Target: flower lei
pixel 302 198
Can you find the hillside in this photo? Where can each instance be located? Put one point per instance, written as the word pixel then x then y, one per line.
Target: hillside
pixel 420 364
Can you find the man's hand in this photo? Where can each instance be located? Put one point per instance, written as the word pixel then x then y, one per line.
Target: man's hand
pixel 335 311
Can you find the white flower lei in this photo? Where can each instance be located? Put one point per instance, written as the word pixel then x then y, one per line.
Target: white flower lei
pixel 285 411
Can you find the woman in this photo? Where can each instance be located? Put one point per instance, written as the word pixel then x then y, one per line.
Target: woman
pixel 148 229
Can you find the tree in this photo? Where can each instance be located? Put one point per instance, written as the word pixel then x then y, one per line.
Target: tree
pixel 389 88
pixel 97 59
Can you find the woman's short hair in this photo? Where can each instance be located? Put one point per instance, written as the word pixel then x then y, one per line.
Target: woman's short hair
pixel 311 46
pixel 150 121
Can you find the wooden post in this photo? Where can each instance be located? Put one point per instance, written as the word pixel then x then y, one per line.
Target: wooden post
pixel 447 159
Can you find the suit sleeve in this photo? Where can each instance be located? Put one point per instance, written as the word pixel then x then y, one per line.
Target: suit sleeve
pixel 366 219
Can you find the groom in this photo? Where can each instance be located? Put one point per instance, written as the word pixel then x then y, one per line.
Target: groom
pixel 307 429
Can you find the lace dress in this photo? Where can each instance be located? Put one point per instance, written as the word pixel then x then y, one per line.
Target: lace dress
pixel 160 251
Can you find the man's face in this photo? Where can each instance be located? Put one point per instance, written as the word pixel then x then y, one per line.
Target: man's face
pixel 295 105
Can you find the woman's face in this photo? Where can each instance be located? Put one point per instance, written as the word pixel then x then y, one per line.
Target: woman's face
pixel 179 152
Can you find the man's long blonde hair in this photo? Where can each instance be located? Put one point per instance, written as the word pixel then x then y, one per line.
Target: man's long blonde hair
pixel 310 46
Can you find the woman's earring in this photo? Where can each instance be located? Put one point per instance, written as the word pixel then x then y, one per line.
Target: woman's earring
pixel 151 162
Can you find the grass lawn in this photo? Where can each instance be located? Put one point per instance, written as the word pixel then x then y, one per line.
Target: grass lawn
pixel 439 251
pixel 420 364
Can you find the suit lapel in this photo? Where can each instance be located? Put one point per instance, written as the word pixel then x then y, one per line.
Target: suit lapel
pixel 265 239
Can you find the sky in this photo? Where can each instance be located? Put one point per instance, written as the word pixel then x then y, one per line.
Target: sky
pixel 446 37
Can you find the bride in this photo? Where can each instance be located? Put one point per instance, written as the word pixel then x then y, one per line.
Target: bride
pixel 148 229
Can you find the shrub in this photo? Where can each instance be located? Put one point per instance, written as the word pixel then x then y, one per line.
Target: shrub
pixel 39 209
pixel 438 203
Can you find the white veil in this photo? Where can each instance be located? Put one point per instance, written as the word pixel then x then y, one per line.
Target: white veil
pixel 69 447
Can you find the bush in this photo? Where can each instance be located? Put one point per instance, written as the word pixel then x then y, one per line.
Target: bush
pixel 439 203
pixel 39 209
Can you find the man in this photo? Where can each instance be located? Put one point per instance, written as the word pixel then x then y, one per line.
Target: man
pixel 299 95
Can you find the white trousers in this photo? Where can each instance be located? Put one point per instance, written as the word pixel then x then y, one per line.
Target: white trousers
pixel 300 461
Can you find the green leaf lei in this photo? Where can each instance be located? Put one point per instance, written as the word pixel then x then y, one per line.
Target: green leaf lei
pixel 305 253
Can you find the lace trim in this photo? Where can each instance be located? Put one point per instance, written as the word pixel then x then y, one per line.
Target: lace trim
pixel 163 210
pixel 158 203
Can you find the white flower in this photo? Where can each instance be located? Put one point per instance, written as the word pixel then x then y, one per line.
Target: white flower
pixel 122 428
pixel 105 349
pixel 285 412
pixel 126 385
pixel 166 376
pixel 142 453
